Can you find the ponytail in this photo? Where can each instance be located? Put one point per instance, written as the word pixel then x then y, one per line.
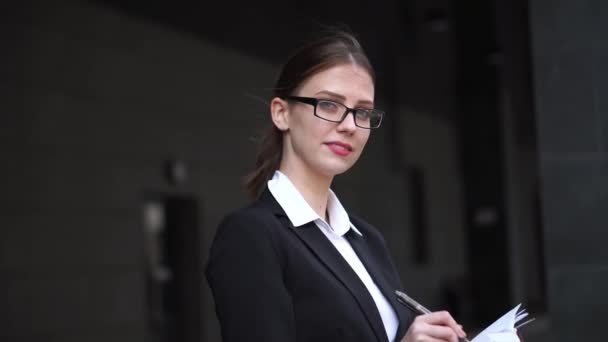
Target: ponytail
pixel 270 151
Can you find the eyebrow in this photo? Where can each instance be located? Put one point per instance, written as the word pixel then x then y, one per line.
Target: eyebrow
pixel 343 98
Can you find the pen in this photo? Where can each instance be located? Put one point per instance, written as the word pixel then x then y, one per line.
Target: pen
pixel 417 307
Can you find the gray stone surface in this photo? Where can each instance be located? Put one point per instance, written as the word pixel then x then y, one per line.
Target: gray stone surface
pixel 577 294
pixel 565 98
pixel 576 212
pixel 571 87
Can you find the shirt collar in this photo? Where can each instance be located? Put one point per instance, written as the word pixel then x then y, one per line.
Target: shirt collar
pixel 299 211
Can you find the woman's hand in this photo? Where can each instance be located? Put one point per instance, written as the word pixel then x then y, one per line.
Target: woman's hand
pixel 434 327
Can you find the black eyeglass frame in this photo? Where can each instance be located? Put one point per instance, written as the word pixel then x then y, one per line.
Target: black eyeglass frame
pixel 314 101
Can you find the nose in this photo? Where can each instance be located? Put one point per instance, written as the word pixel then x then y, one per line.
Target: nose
pixel 348 124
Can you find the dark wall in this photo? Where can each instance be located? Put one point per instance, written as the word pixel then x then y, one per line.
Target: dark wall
pixel 92 104
pixel 571 85
pixel 94 101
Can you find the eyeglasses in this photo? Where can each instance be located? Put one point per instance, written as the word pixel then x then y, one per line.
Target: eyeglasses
pixel 336 112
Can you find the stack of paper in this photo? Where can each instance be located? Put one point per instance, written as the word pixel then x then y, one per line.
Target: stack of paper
pixel 504 329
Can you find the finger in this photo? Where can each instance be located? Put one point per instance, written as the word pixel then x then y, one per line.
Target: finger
pixel 464 333
pixel 429 339
pixel 442 318
pixel 421 331
pixel 421 338
pixel 451 322
pixel 442 332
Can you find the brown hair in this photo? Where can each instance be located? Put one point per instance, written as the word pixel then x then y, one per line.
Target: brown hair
pixel 333 47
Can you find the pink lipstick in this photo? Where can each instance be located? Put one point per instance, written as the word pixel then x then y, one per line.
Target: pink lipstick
pixel 339 148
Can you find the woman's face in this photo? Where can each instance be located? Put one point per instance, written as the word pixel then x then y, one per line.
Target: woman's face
pixel 320 147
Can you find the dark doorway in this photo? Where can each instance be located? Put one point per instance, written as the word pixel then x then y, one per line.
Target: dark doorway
pixel 482 159
pixel 174 268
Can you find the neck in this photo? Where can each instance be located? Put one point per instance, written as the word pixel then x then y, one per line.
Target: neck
pixel 314 188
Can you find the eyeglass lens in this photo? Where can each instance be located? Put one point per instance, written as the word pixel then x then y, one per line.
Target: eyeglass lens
pixel 333 111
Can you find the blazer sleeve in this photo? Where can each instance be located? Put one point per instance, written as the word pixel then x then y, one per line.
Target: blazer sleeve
pixel 245 276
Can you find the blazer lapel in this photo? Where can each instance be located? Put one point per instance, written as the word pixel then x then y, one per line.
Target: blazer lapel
pixel 333 260
pixel 375 271
pixel 329 256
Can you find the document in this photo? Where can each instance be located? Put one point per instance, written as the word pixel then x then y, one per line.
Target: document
pixel 502 330
pixel 505 328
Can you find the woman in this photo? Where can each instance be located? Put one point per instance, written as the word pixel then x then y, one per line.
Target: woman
pixel 294 265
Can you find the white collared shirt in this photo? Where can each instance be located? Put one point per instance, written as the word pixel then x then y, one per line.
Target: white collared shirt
pixel 300 213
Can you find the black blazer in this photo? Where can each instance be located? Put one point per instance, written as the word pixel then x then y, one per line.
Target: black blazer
pixel 274 282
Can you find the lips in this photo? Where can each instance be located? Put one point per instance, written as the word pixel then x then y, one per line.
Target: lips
pixel 339 148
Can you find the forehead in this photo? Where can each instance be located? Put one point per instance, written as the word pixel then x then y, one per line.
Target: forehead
pixel 350 81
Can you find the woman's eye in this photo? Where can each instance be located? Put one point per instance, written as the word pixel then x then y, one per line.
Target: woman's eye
pixel 364 114
pixel 328 106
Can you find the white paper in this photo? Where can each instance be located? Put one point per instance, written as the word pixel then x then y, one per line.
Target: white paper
pixel 503 329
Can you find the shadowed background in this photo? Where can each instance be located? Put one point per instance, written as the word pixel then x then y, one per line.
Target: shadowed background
pixel 127 128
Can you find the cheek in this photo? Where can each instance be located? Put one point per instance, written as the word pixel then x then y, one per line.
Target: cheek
pixel 314 130
pixel 306 135
pixel 363 137
pixel 361 142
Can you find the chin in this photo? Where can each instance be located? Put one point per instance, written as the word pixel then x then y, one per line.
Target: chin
pixel 335 169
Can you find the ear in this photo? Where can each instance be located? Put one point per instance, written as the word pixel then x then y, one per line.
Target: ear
pixel 279 112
